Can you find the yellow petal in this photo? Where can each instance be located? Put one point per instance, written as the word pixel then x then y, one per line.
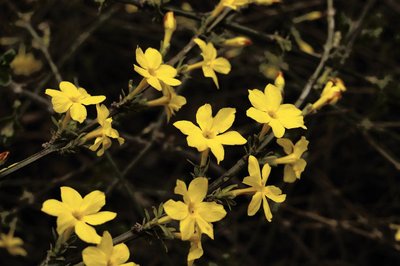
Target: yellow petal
pixel 267 210
pixel 200 43
pixel 223 120
pixel 61 104
pixel 141 59
pixel 120 254
pixel 275 194
pixel 231 138
pixel 78 112
pixel 69 89
pixel 196 251
pixel 141 71
pixel 254 170
pixel 209 73
pixel 253 181
pixel 93 202
pixel 65 221
pixel 288 174
pixel 93 100
pixel 290 117
pixel 205 227
pixel 277 128
pixel 298 167
pixel 204 117
pixel 301 146
pixel 186 226
pixel 106 244
pixel 286 144
pixel 71 197
pixel 187 127
pixel 54 93
pixel 180 188
pixel 177 210
pixel 93 256
pixel 166 71
pixel 86 233
pixel 155 83
pixel 217 149
pixel 259 116
pixel 154 58
pixel 198 189
pixel 258 99
pixel 54 207
pixel 99 218
pixel 102 113
pixel 211 211
pixel 255 204
pixel 197 141
pixel 266 170
pixel 273 97
pixel 221 65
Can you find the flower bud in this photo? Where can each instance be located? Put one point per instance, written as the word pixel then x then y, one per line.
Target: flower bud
pixel 237 42
pixel 280 81
pixel 331 93
pixel 169 21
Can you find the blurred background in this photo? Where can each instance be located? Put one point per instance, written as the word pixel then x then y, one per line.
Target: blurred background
pixel 345 209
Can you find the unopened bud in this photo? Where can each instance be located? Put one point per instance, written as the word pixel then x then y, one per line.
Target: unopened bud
pixel 169 21
pixel 280 81
pixel 237 42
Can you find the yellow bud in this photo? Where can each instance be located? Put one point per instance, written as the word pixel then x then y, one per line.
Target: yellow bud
pixel 331 93
pixel 237 42
pixel 280 81
pixel 169 21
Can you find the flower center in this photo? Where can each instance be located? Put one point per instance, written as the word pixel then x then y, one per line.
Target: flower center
pixel 152 72
pixel 272 114
pixel 77 215
pixel 192 208
pixel 208 134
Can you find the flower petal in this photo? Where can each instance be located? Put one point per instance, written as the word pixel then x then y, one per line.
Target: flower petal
pixel 187 127
pixel 255 204
pixel 204 117
pixel 209 73
pixel 197 141
pixel 223 120
pixel 141 59
pixel 205 227
pixel 177 210
pixel 154 58
pixel 254 168
pixel 221 65
pixel 266 170
pixel 69 89
pixel 286 144
pixel 54 207
pixel 298 167
pixel 71 197
pixel 198 189
pixel 259 116
pixel 141 71
pixel 93 202
pixel 65 221
pixel 106 244
pixel 154 82
pixel 93 100
pixel 259 100
pixel 120 254
pixel 301 146
pixel 166 71
pixel 273 97
pixel 231 138
pixel 211 211
pixel 186 226
pixel 99 218
pixel 274 193
pixel 267 210
pixel 61 104
pixel 217 149
pixel 290 117
pixel 78 112
pixel 277 128
pixel 87 233
pixel 288 174
pixel 93 256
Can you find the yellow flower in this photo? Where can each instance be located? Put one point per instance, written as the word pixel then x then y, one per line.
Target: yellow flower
pixel 235 4
pixel 12 244
pixel 267 109
pixel 294 164
pixel 331 93
pixel 279 81
pixel 258 186
pixel 210 133
pixel 104 132
pixel 193 211
pixel 169 29
pixel 105 254
pixel 171 101
pixel 25 63
pixel 211 63
pixel 153 70
pixel 72 99
pixel 76 213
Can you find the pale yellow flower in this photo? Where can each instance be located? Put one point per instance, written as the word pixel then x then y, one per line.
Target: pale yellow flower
pixel 193 211
pixel 72 99
pixel 106 254
pixel 77 213
pixel 196 248
pixel 211 63
pixel 268 109
pixel 294 164
pixel 104 132
pixel 25 63
pixel 151 67
pixel 211 132
pixel 12 244
pixel 257 181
